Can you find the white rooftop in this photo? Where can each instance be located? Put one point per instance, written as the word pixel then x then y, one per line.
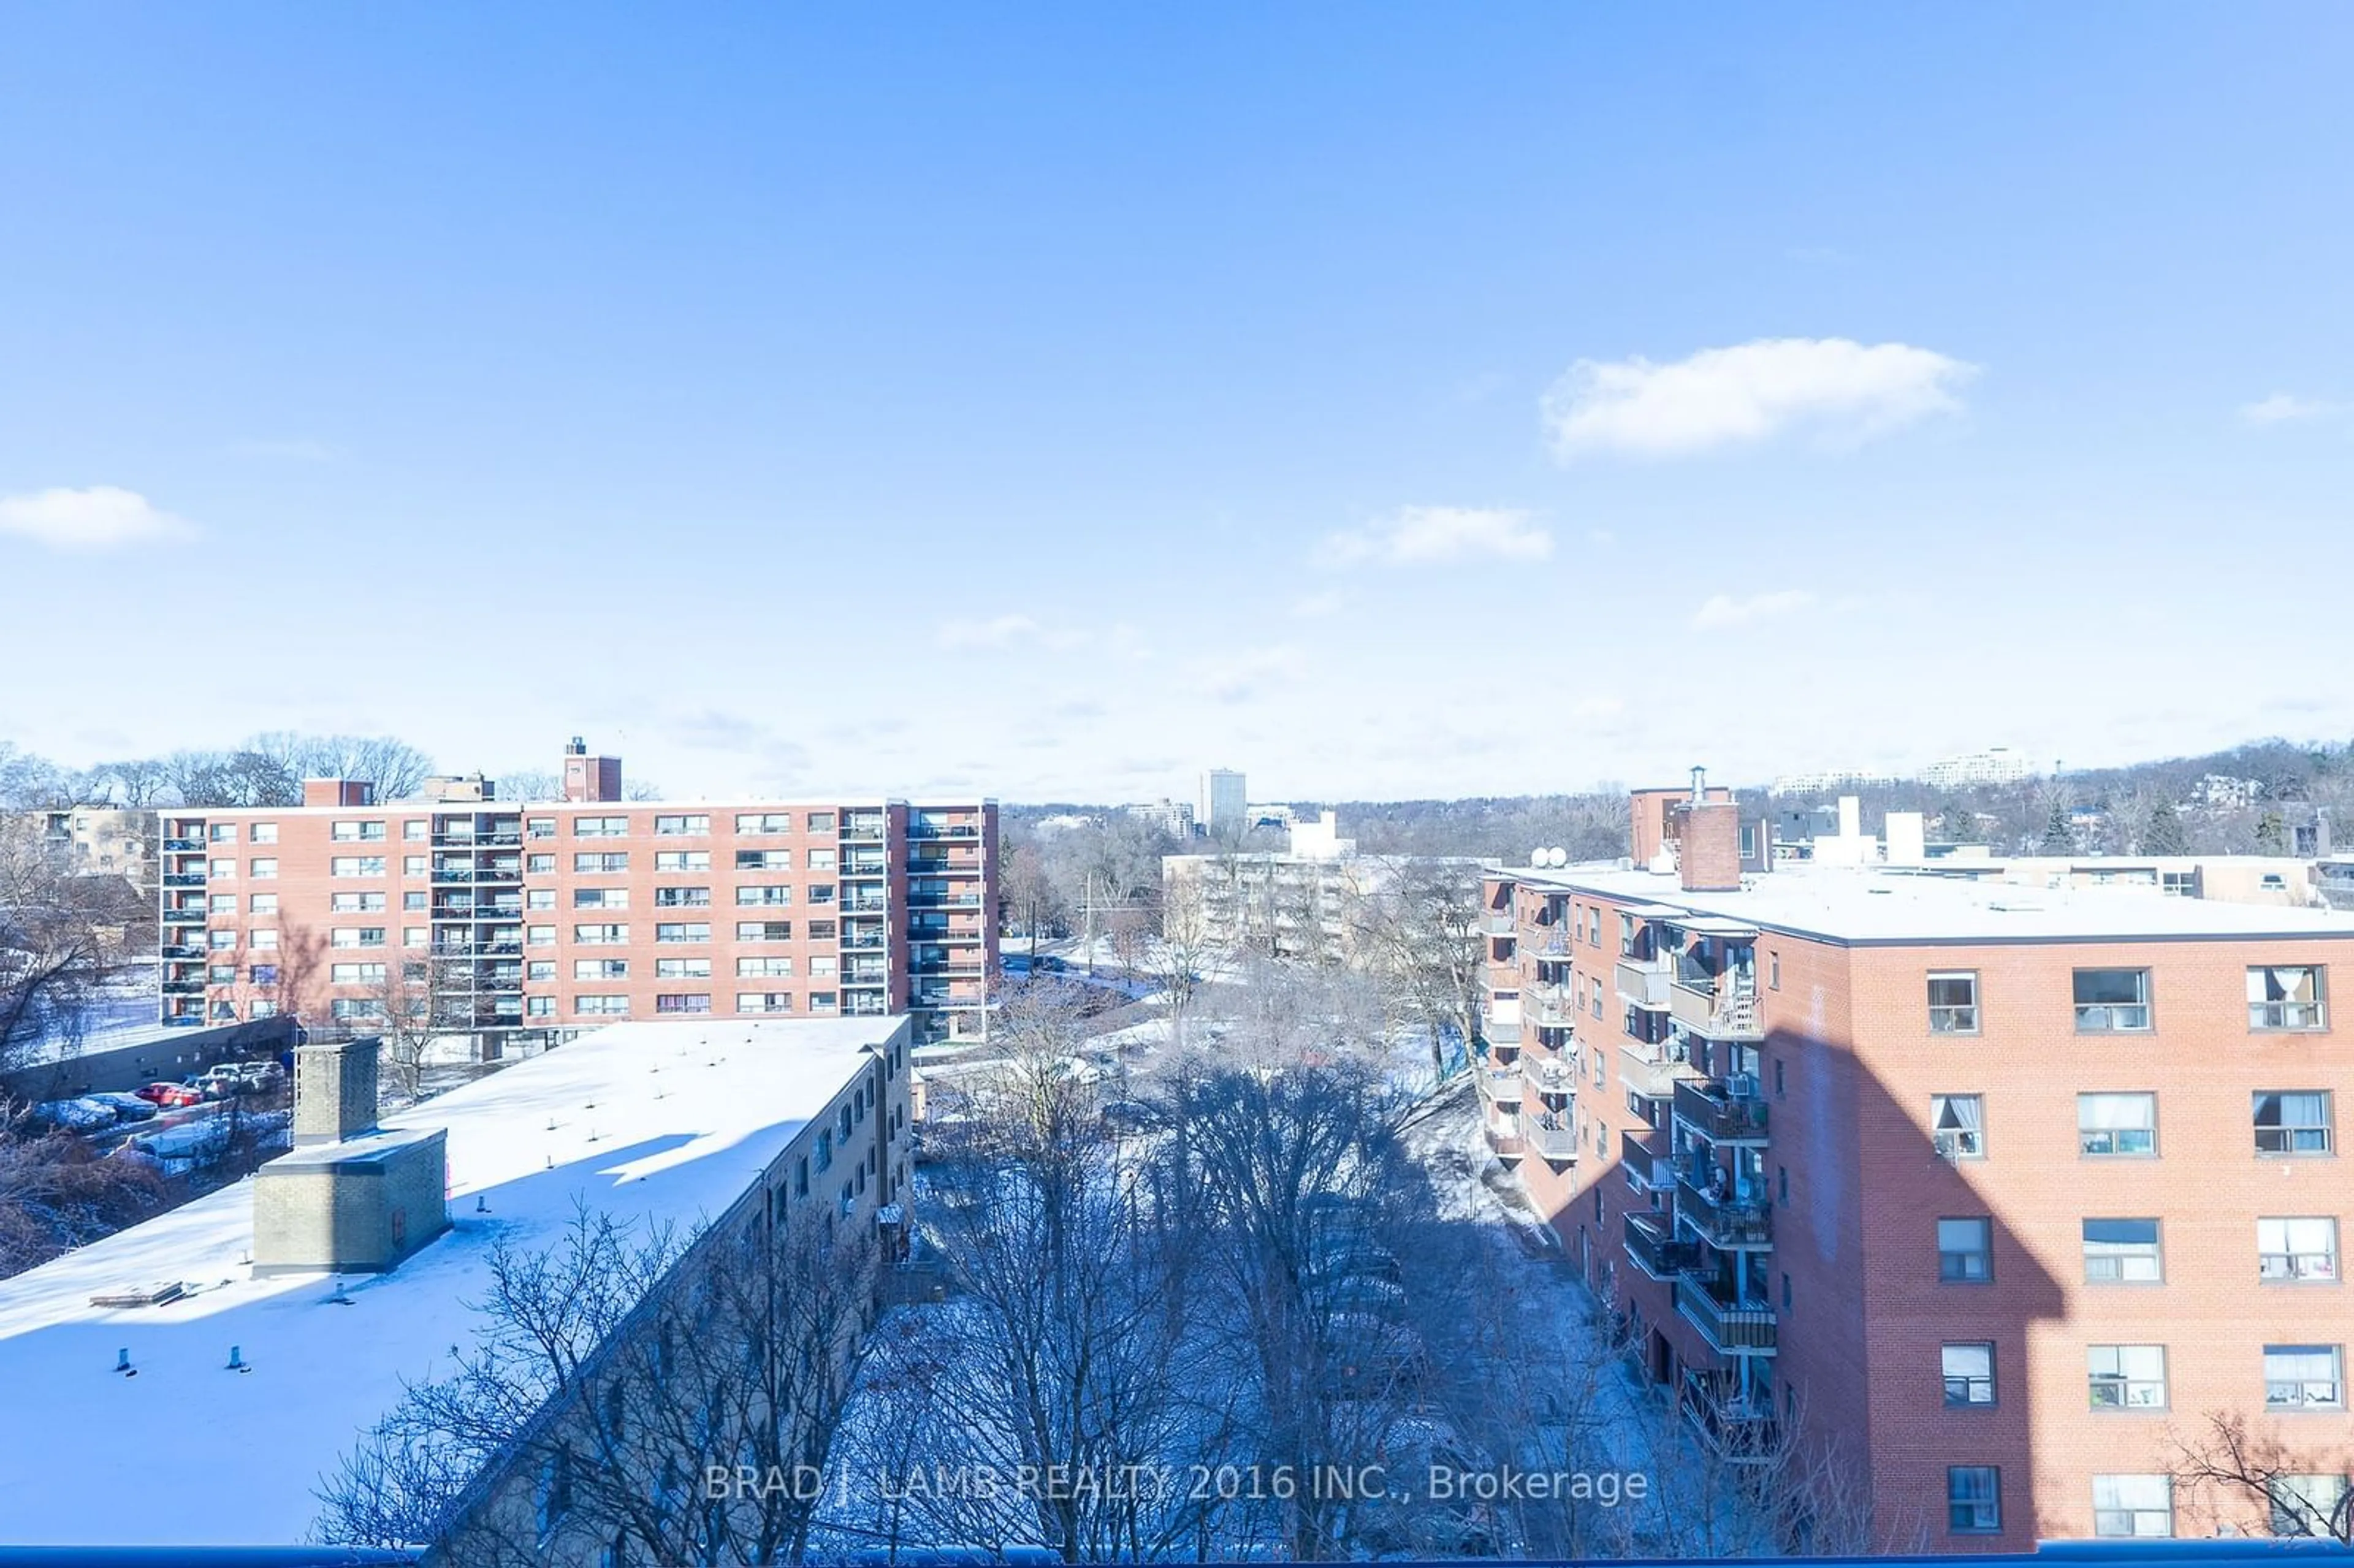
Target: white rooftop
pixel 671 1120
pixel 1865 904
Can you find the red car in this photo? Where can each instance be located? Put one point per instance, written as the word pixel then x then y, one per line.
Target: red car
pixel 170 1096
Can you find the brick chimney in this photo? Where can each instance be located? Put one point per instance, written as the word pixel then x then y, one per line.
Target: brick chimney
pixel 338 792
pixel 334 1090
pixel 1709 852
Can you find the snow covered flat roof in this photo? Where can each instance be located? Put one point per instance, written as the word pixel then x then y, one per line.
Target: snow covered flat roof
pixel 1862 905
pixel 669 1120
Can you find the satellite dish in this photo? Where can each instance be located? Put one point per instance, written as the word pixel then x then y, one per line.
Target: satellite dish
pixel 1537 856
pixel 1558 856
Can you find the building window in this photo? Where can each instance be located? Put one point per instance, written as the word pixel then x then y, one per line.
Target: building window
pixel 602 1006
pixel 2286 996
pixel 264 940
pixel 2298 1250
pixel 356 865
pixel 759 968
pixel 2117 1124
pixel 539 1006
pixel 601 935
pixel 221 904
pixel 412 901
pixel 2122 1252
pixel 539 865
pixel 413 935
pixel 674 826
pixel 1956 1126
pixel 601 827
pixel 533 898
pixel 681 969
pixel 2306 1505
pixel 224 870
pixel 764 860
pixel 2136 1506
pixel 600 968
pixel 764 1001
pixel 264 974
pixel 264 833
pixel 542 969
pixel 1772 970
pixel 2126 1377
pixel 355 974
pixel 262 868
pixel 356 832
pixel 541 828
pixel 2112 1001
pixel 676 860
pixel 540 936
pixel 1626 936
pixel 822 1001
pixel 413 829
pixel 262 903
pixel 2304 1377
pixel 684 931
pixel 599 897
pixel 1953 1002
pixel 1965 1251
pixel 1969 1374
pixel 764 930
pixel 356 1010
pixel 413 865
pixel 2293 1121
pixel 820 821
pixel 594 863
pixel 763 897
pixel 690 1001
pixel 221 938
pixel 682 898
pixel 1973 1499
pixel 355 903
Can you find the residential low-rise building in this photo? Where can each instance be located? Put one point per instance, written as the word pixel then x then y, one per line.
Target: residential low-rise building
pixel 525 923
pixel 1300 904
pixel 1991 1184
pixel 217 1362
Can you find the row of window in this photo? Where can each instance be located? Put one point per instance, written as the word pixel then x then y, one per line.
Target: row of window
pixel 2123 1125
pixel 687 968
pixel 2280 997
pixel 2291 1249
pixel 684 931
pixel 2139 1506
pixel 618 1006
pixel 2134 1377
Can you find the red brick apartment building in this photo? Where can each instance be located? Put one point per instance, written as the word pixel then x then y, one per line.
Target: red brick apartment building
pixel 528 922
pixel 1985 1183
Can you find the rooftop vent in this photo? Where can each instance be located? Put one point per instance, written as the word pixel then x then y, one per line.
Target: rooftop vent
pixel 141 1295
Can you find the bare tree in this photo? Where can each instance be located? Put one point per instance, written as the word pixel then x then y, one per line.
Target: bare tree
pixel 1419 930
pixel 669 1398
pixel 1183 952
pixel 530 784
pixel 2247 1474
pixel 62 937
pixel 397 769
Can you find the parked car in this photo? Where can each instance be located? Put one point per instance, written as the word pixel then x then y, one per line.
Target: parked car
pixel 75 1116
pixel 126 1107
pixel 260 1077
pixel 170 1096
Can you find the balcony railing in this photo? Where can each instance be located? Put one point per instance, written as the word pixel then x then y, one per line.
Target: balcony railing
pixel 1733 1330
pixel 1726 1220
pixel 1506 1140
pixel 178 950
pixel 1653 1071
pixel 1655 1252
pixel 1498 923
pixel 1644 981
pixel 1500 1030
pixel 1547 1007
pixel 1551 1135
pixel 1739 1429
pixel 1501 1085
pixel 184 847
pixel 183 879
pixel 1550 1074
pixel 1719 1008
pixel 1646 1170
pixel 1710 1108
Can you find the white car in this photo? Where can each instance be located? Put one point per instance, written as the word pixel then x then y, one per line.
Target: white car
pixel 76 1116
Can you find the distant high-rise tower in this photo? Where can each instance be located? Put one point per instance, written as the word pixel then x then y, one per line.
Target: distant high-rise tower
pixel 588 778
pixel 1222 807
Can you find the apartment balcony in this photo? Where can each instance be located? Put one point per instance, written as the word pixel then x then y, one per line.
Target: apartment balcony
pixel 1732 1330
pixel 1552 1136
pixel 1654 1071
pixel 1656 1252
pixel 1712 1109
pixel 1716 1006
pixel 1500 1086
pixel 453 873
pixel 1547 1007
pixel 1506 1140
pixel 1737 1428
pixel 180 950
pixel 1549 1075
pixel 951 830
pixel 1499 923
pixel 186 915
pixel 1645 982
pixel 1729 1222
pixel 855 943
pixel 184 986
pixel 499 840
pixel 938 900
pixel 185 846
pixel 1500 1030
pixel 866 830
pixel 1646 1170
pixel 183 879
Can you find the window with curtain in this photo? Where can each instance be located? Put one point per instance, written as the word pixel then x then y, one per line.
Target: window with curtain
pixel 1958 1126
pixel 2111 1124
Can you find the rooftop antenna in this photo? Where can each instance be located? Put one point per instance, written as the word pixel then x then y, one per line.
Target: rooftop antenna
pixel 1700 784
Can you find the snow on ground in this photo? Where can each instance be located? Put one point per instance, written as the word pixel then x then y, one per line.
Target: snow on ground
pixel 667 1120
pixel 122 1013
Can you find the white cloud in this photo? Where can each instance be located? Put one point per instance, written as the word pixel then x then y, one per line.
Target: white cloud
pixel 1253 672
pixel 1003 632
pixel 1724 610
pixel 2282 408
pixel 1316 605
pixel 1428 534
pixel 102 517
pixel 1842 390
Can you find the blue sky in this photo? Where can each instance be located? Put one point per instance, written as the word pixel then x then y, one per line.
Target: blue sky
pixel 1051 401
